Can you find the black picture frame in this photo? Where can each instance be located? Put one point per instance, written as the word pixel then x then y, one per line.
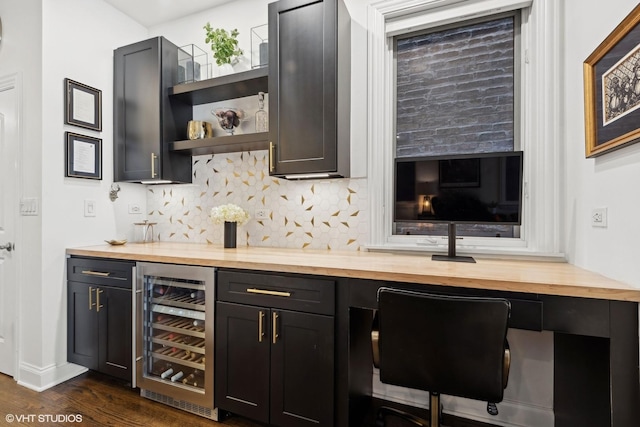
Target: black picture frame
pixel 612 89
pixel 83 105
pixel 84 156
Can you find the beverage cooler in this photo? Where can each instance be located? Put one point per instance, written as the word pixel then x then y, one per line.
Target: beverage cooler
pixel 174 349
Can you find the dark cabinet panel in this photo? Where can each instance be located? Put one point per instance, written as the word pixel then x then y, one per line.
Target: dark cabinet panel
pixel 242 360
pixel 99 315
pixel 114 332
pixel 309 72
pixel 275 365
pixel 144 118
pixel 82 325
pixel 289 292
pixel 302 370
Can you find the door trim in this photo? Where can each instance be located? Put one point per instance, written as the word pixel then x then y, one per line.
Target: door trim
pixel 7 83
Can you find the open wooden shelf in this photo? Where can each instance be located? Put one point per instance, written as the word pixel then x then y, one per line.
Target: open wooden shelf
pixel 222 144
pixel 237 85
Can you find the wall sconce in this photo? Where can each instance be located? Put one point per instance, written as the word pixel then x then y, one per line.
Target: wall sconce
pixel 426 192
pixel 427 208
pixel 113 193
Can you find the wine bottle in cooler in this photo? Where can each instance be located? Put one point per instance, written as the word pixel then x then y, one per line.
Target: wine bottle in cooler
pixel 176 377
pixel 162 368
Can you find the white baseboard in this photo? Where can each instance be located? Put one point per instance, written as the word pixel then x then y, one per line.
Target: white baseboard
pixel 41 378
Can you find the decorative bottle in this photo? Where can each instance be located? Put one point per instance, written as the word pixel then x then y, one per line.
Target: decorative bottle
pixel 262 119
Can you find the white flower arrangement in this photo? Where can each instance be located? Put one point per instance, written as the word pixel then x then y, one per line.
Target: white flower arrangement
pixel 229 213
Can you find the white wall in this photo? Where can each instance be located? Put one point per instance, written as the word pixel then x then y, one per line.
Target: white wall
pixel 20 53
pixel 78 41
pixel 45 42
pixel 243 15
pixel 79 38
pixel 609 180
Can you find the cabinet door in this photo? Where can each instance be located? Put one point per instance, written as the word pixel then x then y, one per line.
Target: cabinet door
pixel 82 325
pixel 144 121
pixel 242 360
pixel 136 109
pixel 114 331
pixel 301 369
pixel 302 86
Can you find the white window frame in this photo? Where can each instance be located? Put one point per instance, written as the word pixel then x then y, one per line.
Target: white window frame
pixel 540 121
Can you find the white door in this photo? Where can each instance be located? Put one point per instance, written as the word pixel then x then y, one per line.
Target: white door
pixel 9 178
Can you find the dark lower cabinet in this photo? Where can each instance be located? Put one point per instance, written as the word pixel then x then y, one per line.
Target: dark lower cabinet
pixel 99 316
pixel 242 360
pixel 302 370
pixel 273 364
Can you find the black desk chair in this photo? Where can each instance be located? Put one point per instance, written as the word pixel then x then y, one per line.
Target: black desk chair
pixel 441 344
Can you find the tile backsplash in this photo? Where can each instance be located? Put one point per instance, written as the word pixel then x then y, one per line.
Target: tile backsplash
pixel 318 214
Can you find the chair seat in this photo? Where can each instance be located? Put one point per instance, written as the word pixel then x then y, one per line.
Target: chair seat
pixel 443 344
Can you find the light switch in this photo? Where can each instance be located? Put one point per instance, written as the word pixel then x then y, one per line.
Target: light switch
pixel 29 206
pixel 89 208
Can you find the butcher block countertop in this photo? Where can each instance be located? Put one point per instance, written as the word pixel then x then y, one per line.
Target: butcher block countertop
pixel 538 277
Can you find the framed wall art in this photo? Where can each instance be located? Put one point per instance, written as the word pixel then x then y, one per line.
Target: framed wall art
pixel 612 89
pixel 83 105
pixel 459 173
pixel 84 156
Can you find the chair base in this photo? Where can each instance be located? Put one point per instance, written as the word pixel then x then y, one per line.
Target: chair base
pixel 434 415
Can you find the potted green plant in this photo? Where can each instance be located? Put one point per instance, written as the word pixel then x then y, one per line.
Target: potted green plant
pixel 224 45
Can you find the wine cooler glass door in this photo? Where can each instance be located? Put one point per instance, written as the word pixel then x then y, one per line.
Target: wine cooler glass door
pixel 177 338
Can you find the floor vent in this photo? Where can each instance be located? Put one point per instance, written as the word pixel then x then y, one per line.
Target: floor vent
pixel 212 414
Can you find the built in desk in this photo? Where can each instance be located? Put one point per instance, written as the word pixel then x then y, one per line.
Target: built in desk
pixel 594 319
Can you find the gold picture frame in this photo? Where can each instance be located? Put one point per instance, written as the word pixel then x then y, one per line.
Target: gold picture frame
pixel 612 89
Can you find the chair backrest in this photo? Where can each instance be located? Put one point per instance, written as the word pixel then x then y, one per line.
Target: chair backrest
pixel 443 344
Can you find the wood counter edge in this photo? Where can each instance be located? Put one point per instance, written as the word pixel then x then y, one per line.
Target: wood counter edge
pixel 570 281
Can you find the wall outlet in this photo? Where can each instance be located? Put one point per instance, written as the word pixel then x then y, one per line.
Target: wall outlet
pixel 263 214
pixel 134 208
pixel 599 217
pixel 89 207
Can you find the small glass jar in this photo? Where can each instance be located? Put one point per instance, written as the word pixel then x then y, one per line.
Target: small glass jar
pixel 262 118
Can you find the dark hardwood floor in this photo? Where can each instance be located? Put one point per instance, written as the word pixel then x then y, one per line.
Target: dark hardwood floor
pixel 105 401
pixel 100 401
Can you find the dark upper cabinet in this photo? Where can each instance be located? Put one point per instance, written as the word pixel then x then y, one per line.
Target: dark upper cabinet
pixel 144 117
pixel 309 88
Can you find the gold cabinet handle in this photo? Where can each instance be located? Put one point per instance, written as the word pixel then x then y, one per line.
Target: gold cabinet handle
pixel 98 306
pixel 267 292
pixel 95 273
pixel 153 165
pixel 91 303
pixel 260 326
pixel 271 161
pixel 275 327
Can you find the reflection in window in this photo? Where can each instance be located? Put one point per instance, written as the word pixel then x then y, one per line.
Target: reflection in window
pixel 455 95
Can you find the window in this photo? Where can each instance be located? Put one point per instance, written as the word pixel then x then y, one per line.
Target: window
pixel 455 94
pixel 535 129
